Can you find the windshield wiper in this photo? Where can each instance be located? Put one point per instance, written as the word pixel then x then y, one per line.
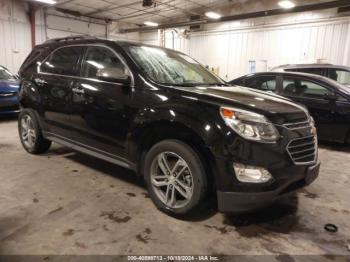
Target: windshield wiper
pixel 195 84
pixel 214 84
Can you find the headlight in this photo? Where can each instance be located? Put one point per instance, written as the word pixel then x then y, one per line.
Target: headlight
pixel 250 125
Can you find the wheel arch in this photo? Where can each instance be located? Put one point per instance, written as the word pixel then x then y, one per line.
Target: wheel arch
pixel 164 130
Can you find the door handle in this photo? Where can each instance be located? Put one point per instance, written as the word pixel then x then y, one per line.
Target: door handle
pixel 40 82
pixel 78 90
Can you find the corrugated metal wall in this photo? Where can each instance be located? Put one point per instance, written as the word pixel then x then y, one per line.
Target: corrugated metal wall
pixel 15 33
pixel 229 47
pixel 15 38
pixel 231 50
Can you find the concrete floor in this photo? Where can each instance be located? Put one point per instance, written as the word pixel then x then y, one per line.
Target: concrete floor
pixel 65 202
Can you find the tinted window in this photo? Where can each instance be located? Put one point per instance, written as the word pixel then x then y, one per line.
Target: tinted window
pixel 315 71
pixel 101 58
pixel 264 83
pixel 303 88
pixel 341 76
pixel 63 61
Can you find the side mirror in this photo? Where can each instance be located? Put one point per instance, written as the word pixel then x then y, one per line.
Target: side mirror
pixel 116 75
pixel 331 96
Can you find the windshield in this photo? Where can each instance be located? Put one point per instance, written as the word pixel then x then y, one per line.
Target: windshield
pixel 5 74
pixel 171 68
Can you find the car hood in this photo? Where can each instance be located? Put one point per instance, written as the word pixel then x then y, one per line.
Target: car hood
pixel 9 86
pixel 278 109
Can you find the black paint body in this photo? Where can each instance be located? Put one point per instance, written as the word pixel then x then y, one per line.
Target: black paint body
pixel 119 123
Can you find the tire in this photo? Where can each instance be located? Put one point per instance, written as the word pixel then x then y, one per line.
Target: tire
pixel 188 179
pixel 31 138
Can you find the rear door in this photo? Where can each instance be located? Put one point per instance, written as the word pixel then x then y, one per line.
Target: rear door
pixel 313 96
pixel 55 78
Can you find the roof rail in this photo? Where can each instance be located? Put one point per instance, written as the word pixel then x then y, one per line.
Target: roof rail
pixel 70 38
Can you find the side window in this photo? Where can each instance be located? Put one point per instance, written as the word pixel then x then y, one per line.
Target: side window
pixel 341 76
pixel 264 83
pixel 315 71
pixel 303 88
pixel 101 61
pixel 63 61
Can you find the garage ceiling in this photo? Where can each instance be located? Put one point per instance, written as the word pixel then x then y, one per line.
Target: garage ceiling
pixel 132 11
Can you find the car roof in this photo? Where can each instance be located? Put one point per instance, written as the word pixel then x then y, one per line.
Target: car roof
pixel 289 74
pixel 316 65
pixel 323 79
pixel 76 40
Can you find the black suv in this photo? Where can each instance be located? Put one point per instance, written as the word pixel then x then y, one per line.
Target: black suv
pixel 160 113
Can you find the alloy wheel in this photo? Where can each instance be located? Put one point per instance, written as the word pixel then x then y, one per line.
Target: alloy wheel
pixel 28 131
pixel 172 180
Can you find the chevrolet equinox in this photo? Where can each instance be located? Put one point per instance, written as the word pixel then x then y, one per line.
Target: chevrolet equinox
pixel 160 113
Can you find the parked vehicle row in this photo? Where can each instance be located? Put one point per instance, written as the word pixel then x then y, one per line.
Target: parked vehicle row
pixel 160 113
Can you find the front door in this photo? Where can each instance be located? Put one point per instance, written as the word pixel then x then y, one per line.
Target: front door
pixel 342 119
pixel 101 109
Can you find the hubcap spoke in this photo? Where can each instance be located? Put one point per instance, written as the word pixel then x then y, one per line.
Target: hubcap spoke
pixel 159 181
pixel 178 163
pixel 24 124
pixel 173 197
pixel 163 164
pixel 181 171
pixel 183 189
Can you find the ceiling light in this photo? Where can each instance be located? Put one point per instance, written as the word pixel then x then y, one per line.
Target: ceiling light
pixel 148 23
pixel 50 2
pixel 212 15
pixel 286 4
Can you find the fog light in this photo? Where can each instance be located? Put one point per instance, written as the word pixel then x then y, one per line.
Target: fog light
pixel 251 174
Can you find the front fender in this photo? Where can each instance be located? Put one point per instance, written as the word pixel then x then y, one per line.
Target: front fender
pixel 202 120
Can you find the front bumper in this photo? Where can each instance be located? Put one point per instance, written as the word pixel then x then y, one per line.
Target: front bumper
pixel 241 202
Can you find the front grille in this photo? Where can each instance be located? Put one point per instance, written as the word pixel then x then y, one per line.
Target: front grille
pixel 297 125
pixel 303 150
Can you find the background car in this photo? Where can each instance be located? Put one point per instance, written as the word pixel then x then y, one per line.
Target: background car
pixel 9 85
pixel 341 74
pixel 327 100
